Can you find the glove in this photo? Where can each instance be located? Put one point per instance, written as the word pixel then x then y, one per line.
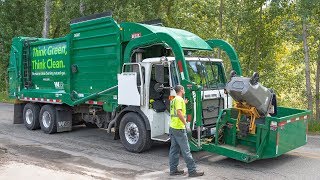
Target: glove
pixel 188 128
pixel 188 131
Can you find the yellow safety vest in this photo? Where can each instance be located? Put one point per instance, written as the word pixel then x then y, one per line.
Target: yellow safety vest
pixel 177 103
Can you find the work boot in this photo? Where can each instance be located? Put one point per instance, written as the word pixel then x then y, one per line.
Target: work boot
pixel 177 172
pixel 196 173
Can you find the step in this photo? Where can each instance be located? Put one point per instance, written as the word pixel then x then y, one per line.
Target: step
pixel 163 138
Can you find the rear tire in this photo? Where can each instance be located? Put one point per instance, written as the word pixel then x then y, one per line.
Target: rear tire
pixel 48 121
pixel 31 116
pixel 133 133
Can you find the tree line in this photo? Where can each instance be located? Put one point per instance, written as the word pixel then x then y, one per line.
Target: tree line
pixel 280 39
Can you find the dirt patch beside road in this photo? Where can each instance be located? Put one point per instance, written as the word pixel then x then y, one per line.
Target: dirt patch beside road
pixel 19 161
pixel 16 170
pixel 13 166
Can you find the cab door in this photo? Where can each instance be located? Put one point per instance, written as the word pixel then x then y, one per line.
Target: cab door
pixel 130 85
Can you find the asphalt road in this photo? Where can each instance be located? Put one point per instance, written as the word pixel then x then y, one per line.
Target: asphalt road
pixel 93 154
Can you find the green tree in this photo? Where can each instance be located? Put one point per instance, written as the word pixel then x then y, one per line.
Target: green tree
pixel 17 18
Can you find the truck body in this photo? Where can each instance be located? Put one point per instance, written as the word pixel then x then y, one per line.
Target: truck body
pixel 108 75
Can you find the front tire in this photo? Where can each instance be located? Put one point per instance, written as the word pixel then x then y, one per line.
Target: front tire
pixel 31 116
pixel 133 133
pixel 48 121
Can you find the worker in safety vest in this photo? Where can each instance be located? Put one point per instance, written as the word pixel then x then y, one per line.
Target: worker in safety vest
pixel 178 136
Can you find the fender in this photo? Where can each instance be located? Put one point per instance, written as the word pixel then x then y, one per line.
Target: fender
pixel 135 109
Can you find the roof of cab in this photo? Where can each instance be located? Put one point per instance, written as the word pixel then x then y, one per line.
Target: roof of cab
pixel 186 40
pixel 158 59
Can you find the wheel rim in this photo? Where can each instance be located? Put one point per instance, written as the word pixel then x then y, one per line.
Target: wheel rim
pixel 46 119
pixel 131 133
pixel 29 116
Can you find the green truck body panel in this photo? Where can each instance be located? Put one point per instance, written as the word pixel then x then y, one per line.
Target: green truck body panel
pixel 176 39
pixel 274 136
pixel 185 39
pixel 96 52
pixel 84 64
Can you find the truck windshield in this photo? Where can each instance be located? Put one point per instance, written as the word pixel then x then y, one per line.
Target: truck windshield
pixel 208 74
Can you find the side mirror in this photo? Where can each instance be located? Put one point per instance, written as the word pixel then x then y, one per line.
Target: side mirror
pixel 159 73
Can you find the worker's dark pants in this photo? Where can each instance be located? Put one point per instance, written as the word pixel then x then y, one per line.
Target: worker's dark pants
pixel 179 142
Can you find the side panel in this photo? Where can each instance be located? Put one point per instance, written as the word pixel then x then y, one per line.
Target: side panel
pixel 49 66
pixel 292 135
pixel 95 57
pixel 38 68
pixel 45 71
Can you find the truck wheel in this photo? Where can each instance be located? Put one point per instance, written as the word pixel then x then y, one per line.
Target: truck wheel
pixel 31 116
pixel 133 133
pixel 48 120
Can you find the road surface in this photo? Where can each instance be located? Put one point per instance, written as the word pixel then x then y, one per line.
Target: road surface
pixel 86 153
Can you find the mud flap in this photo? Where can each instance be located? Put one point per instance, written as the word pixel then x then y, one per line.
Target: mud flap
pixel 64 119
pixel 18 113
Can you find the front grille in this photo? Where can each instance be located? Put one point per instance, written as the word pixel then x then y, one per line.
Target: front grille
pixel 211 109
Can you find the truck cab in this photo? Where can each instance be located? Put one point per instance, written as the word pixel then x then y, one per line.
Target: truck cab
pixel 149 85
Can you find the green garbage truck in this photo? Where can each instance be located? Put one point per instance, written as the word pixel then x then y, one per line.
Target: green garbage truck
pixel 120 77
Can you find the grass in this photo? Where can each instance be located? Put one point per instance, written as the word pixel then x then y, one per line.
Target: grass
pixel 4 98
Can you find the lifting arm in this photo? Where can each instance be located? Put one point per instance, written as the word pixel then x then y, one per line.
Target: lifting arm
pixel 218 43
